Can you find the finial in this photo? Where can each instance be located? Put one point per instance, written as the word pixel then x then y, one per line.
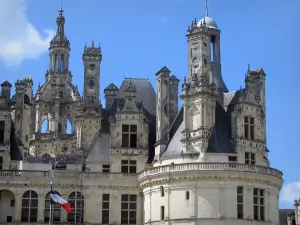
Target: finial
pixel 93 44
pixel 248 67
pixel 60 11
pixel 206 7
pixel 85 46
pixel 184 80
pixel 99 45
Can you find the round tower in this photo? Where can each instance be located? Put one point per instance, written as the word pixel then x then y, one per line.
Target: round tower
pixel 202 177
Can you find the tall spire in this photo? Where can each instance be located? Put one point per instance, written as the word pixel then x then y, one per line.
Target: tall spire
pixel 206 7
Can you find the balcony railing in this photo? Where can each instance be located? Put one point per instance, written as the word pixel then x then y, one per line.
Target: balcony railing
pixel 58 174
pixel 198 167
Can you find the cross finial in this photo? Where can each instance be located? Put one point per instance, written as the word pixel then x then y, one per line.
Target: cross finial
pixel 206 7
pixel 60 11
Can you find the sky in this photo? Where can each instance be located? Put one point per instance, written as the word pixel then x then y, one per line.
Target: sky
pixel 139 37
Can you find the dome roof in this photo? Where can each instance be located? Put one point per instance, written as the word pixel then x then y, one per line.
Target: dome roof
pixel 210 23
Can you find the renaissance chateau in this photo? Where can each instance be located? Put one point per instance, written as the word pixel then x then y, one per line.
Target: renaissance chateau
pixel 140 157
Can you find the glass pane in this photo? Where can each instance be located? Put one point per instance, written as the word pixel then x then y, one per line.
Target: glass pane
pixel 240 199
pixel 25 203
pixel 124 198
pixel 125 128
pixel 133 128
pixel 34 203
pixel 124 169
pixel 255 200
pixel 262 201
pixel 105 205
pixel 34 194
pixel 132 221
pixel 33 215
pixel 255 191
pixel 132 214
pixel 25 215
pixel 132 162
pixel 105 197
pixel 132 205
pixel 124 205
pixel 132 169
pixel 132 198
pixel 133 140
pixel 240 190
pixel 124 214
pixel 261 192
pixel 125 140
pixel 26 194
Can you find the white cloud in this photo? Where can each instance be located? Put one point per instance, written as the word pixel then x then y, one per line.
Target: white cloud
pixel 19 39
pixel 290 192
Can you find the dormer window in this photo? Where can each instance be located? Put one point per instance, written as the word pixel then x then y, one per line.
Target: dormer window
pixel 249 127
pixel 129 136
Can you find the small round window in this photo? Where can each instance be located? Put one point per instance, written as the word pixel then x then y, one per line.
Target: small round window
pixel 91 84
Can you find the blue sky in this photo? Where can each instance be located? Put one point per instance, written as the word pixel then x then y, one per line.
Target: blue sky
pixel 138 37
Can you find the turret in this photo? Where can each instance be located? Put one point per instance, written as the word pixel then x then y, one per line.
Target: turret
pixel 6 87
pixel 92 57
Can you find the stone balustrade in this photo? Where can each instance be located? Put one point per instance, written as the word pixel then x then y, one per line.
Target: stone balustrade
pixel 194 167
pixel 58 174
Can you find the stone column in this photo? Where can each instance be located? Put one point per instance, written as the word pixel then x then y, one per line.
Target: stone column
pixel 167 203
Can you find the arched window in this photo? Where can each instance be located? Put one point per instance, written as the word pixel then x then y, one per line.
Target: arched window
pixel 92 84
pixel 76 200
pixel 62 63
pixel 55 63
pixel 56 209
pixel 29 210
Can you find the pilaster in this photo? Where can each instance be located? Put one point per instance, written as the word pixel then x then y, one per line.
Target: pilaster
pixel 193 202
pixel 248 210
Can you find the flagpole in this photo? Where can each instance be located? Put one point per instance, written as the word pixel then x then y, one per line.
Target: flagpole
pixel 50 212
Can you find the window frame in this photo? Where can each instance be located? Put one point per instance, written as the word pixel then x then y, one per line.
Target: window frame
pixel 27 205
pixel 240 202
pixel 250 158
pixel 105 200
pixel 128 208
pixel 259 204
pixel 130 164
pixel 249 128
pixel 129 131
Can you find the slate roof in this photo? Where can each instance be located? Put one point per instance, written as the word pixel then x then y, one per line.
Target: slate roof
pixel 146 98
pixel 144 92
pixel 219 142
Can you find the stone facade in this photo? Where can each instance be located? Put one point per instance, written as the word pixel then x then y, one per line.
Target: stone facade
pixel 138 159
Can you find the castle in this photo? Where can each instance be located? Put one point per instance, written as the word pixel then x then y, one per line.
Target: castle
pixel 140 158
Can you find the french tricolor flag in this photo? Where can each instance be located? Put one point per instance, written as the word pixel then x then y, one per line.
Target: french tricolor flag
pixel 56 199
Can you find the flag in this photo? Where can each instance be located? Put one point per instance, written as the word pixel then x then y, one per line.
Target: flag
pixel 56 199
